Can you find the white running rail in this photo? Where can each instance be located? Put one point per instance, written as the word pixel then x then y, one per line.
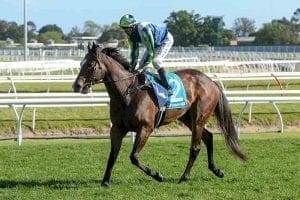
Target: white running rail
pixel 25 100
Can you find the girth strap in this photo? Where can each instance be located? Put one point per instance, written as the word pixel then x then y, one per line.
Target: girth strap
pixel 160 117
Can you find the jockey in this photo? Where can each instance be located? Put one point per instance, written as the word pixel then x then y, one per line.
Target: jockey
pixel 157 40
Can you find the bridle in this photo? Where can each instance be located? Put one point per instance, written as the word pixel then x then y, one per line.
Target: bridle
pixel 93 78
pixel 129 89
pixel 114 81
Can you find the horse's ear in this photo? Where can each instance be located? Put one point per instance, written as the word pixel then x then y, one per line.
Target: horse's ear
pixel 94 45
pixel 89 46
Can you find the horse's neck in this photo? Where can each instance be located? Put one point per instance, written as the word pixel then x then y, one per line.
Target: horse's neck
pixel 118 81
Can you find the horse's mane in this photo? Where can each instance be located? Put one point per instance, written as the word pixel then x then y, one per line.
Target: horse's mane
pixel 116 55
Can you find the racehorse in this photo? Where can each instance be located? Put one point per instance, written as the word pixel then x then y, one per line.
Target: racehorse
pixel 133 108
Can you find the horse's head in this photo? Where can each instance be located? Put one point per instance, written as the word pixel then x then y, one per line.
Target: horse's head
pixel 92 70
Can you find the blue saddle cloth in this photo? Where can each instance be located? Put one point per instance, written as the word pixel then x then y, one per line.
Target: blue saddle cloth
pixel 177 99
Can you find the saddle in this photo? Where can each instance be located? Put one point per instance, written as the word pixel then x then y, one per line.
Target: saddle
pixel 176 100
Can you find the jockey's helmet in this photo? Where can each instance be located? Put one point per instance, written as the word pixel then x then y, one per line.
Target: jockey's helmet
pixel 127 21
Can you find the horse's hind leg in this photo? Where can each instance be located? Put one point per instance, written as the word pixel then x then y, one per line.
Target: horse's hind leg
pixel 194 150
pixel 198 115
pixel 140 141
pixel 197 126
pixel 207 138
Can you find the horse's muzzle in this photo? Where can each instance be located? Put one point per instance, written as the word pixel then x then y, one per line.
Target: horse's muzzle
pixel 76 87
pixel 84 89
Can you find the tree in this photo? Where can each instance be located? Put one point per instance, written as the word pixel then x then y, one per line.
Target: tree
pixel 276 33
pixel 31 31
pixel 243 27
pixel 3 29
pixel 114 32
pixel 53 35
pixel 295 20
pixel 75 32
pixel 185 28
pixel 280 31
pixel 31 26
pixel 296 17
pixel 228 36
pixel 91 28
pixel 50 28
pixel 190 29
pixel 14 32
pixel 214 33
pixel 283 21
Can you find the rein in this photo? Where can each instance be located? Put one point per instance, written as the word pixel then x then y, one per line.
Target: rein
pixel 109 81
pixel 114 81
pixel 129 89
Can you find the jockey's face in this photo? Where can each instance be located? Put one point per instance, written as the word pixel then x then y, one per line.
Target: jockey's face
pixel 128 30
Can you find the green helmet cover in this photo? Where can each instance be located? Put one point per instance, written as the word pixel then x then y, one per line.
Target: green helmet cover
pixel 127 21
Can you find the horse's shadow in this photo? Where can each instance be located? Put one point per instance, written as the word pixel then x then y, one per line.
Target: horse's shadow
pixel 53 184
pixel 67 184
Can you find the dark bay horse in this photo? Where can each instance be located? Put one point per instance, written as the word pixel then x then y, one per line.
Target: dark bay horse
pixel 136 110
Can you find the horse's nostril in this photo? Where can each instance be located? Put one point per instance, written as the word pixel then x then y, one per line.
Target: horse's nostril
pixel 76 87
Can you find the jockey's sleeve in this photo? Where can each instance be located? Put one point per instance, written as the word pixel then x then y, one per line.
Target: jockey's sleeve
pixel 134 46
pixel 148 40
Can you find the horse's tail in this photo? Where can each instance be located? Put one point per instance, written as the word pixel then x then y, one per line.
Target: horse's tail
pixel 225 122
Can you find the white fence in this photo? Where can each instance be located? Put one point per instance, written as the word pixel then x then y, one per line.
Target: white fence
pixel 66 71
pixel 42 67
pixel 35 100
pixel 220 66
pixel 245 53
pixel 15 54
pixel 221 78
pixel 251 97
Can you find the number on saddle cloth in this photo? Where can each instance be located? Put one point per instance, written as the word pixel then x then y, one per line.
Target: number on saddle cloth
pixel 177 99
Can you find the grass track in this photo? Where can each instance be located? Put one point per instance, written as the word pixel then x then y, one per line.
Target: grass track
pixel 73 169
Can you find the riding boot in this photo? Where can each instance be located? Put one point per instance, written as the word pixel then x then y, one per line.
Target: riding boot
pixel 163 78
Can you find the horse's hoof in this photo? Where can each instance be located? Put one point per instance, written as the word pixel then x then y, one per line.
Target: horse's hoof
pixel 159 177
pixel 105 184
pixel 182 179
pixel 218 173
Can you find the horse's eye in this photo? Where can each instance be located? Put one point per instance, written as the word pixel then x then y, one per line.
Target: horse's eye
pixel 92 64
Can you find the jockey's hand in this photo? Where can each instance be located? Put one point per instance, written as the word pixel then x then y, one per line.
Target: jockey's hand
pixel 141 67
pixel 147 67
pixel 140 70
pixel 137 66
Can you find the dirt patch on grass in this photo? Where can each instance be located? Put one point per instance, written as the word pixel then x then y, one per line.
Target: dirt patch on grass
pixel 73 132
pixel 165 130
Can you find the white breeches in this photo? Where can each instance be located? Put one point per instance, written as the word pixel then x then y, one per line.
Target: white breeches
pixel 161 52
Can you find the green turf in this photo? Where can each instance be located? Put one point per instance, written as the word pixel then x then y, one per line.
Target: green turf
pixel 73 169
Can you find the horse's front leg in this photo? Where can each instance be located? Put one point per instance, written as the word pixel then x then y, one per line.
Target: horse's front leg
pixel 207 138
pixel 140 141
pixel 116 137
